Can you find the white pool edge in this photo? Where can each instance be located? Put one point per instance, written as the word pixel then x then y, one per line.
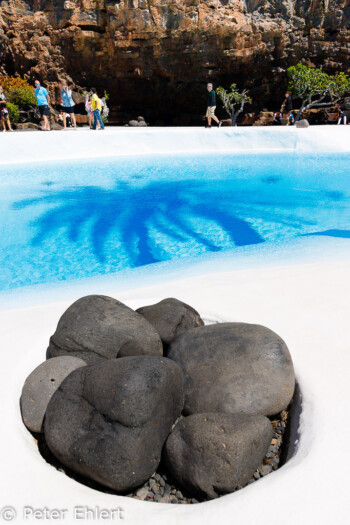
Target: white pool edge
pixel 37 146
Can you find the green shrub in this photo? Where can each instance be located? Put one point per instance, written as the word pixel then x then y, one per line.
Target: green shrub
pixel 18 91
pixel 22 96
pixel 13 112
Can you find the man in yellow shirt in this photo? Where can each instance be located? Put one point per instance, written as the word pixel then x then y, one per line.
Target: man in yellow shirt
pixel 96 108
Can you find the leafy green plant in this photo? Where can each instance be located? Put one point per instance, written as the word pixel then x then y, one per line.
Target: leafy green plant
pixel 13 112
pixel 233 101
pixel 315 88
pixel 18 91
pixel 22 96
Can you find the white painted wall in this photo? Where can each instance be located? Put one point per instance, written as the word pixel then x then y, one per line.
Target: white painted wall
pixel 85 143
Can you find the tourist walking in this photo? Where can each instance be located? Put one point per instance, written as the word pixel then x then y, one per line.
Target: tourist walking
pixel 43 99
pixel 211 105
pixel 287 106
pixel 4 112
pixel 67 105
pixel 342 116
pixel 96 108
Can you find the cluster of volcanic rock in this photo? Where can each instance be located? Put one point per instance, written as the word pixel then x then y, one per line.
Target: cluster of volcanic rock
pixel 123 390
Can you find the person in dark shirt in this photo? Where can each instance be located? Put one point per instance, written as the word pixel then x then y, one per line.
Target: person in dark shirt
pixel 342 115
pixel 277 118
pixel 287 105
pixel 210 114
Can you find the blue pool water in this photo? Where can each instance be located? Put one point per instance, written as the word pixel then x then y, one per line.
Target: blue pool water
pixel 69 220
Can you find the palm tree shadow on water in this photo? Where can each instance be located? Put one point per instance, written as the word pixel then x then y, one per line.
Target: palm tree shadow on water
pixel 131 212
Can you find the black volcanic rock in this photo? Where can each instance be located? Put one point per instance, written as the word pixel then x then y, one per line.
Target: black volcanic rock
pixel 97 327
pixel 109 421
pixel 235 368
pixel 171 318
pixel 212 454
pixel 40 386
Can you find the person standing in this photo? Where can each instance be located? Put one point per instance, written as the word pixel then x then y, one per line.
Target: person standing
pixel 43 99
pixel 88 108
pixel 67 105
pixel 4 112
pixel 342 116
pixel 287 106
pixel 96 108
pixel 211 105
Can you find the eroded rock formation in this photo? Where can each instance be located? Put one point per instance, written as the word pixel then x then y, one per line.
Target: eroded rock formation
pixel 153 56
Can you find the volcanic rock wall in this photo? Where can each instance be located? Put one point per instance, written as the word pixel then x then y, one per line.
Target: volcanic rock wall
pixel 154 56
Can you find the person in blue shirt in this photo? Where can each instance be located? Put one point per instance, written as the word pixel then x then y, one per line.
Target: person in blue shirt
pixel 43 99
pixel 67 105
pixel 291 119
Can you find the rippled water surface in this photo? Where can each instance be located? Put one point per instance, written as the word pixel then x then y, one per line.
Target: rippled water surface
pixel 76 219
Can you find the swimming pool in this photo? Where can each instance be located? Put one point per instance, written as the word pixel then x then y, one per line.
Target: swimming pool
pixel 72 219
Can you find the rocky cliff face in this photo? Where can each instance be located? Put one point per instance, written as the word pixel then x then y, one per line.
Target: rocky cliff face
pixel 154 56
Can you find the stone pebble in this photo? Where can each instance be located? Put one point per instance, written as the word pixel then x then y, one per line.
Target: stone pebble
pixel 41 385
pixel 160 487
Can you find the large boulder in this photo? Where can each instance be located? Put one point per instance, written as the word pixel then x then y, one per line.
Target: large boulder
pixel 235 368
pixel 97 327
pixel 109 421
pixel 171 318
pixel 302 123
pixel 212 454
pixel 40 386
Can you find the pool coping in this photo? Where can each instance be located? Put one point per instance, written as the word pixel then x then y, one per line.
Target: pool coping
pixel 126 141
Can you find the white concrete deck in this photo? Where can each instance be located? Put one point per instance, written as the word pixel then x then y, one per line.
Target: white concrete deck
pixel 114 141
pixel 302 294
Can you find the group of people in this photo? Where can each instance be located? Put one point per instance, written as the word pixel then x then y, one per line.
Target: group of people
pixel 93 105
pixel 287 110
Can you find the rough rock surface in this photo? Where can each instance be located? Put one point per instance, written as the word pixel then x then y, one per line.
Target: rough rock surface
pixel 212 454
pixel 97 327
pixel 109 421
pixel 40 386
pixel 171 318
pixel 154 56
pixel 234 367
pixel 302 123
